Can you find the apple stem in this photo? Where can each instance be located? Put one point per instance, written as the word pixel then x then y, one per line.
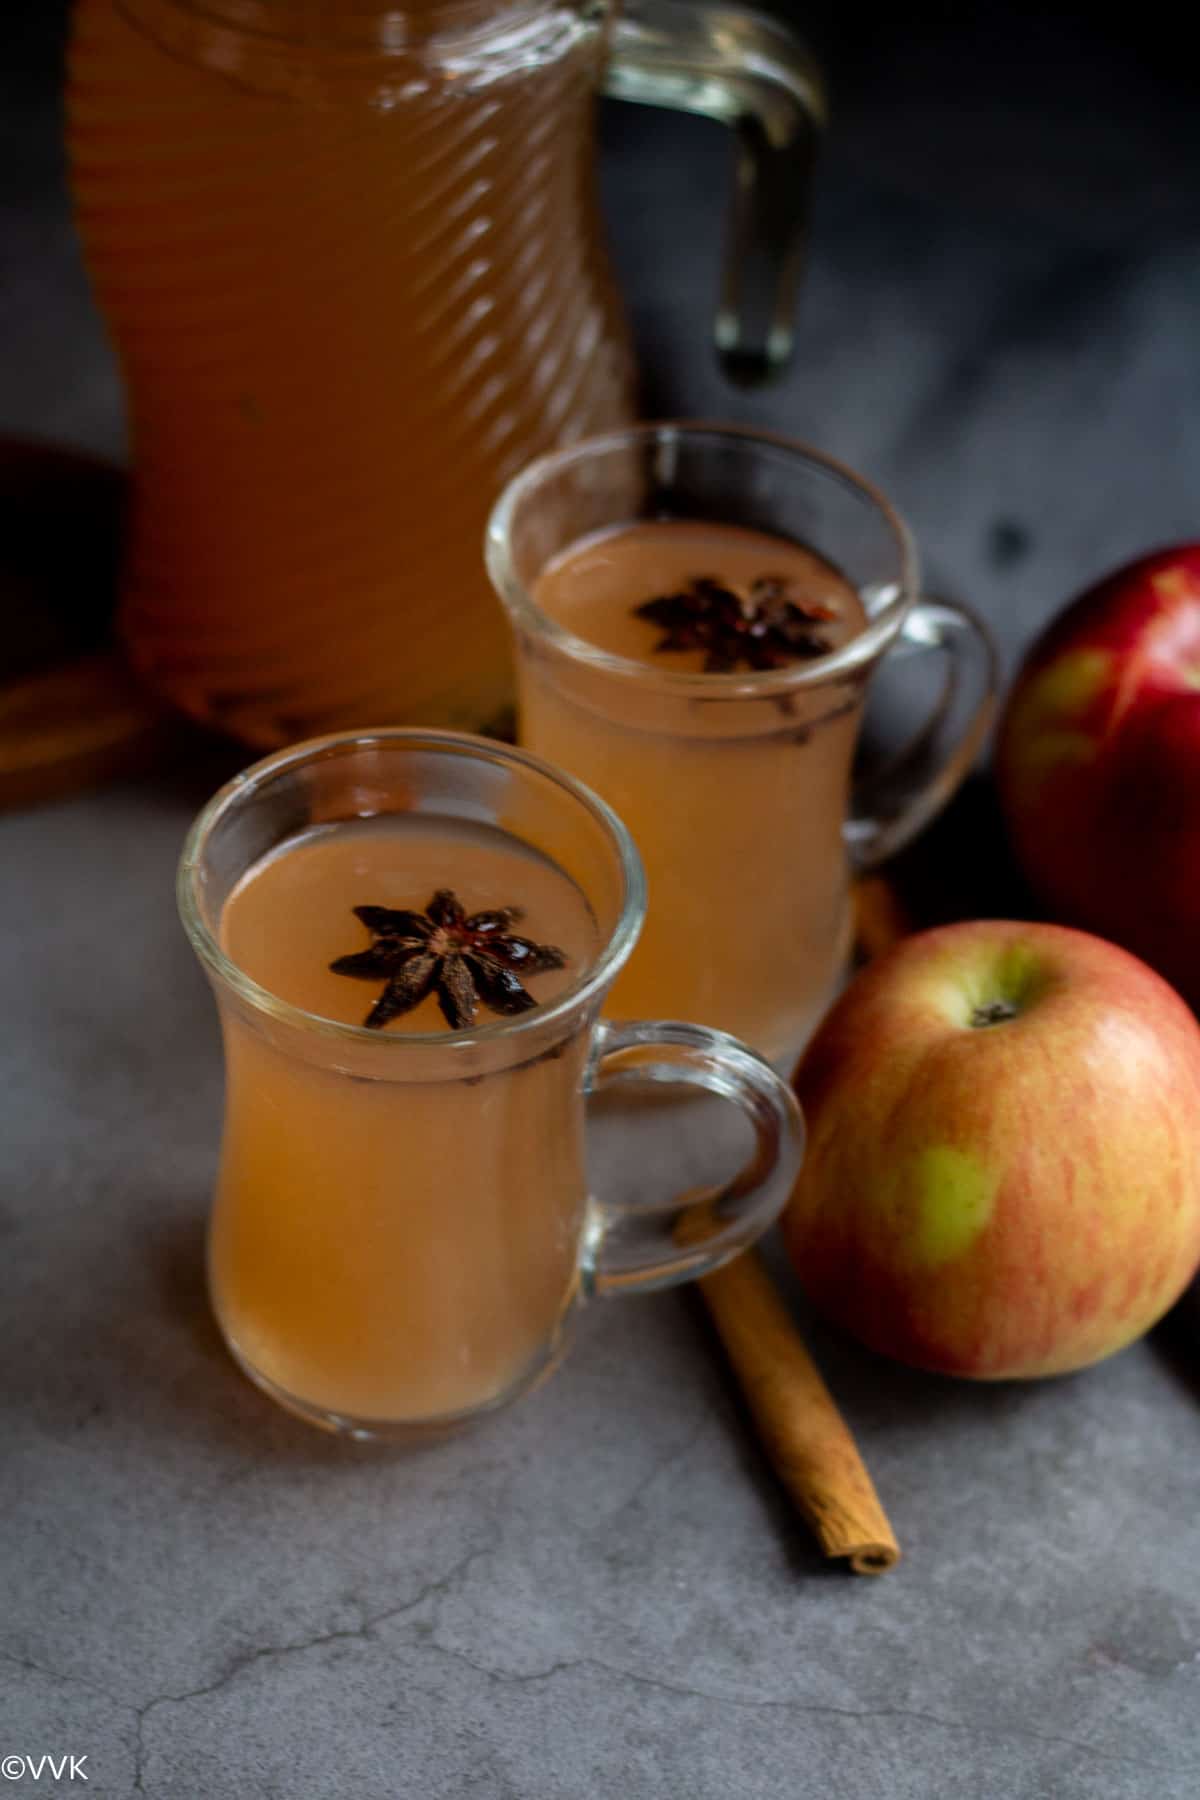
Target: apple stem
pixel 994 1012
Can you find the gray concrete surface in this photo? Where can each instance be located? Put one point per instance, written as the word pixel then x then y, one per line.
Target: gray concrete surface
pixel 603 1594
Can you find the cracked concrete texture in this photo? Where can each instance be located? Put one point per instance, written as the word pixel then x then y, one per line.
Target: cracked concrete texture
pixel 601 1592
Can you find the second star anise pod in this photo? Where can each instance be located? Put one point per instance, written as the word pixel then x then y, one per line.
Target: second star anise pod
pixel 464 960
pixel 765 628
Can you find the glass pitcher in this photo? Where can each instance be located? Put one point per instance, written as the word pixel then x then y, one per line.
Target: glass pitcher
pixel 350 257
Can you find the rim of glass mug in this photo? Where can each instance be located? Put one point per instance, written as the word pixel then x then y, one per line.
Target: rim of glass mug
pixel 599 974
pixel 862 648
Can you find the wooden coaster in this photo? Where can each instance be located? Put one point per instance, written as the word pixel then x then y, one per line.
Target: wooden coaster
pixel 71 714
pixel 72 727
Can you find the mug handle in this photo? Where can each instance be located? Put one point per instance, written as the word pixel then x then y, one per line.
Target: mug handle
pixel 750 74
pixel 899 798
pixel 660 1251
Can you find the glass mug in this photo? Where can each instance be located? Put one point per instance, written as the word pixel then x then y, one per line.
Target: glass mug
pixel 401 1231
pixel 736 786
pixel 350 258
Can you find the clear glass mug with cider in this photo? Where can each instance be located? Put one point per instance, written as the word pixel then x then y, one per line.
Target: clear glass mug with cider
pixel 410 936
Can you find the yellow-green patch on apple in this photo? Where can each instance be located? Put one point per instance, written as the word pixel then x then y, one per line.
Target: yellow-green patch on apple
pixel 1065 687
pixel 947 1195
pixel 1047 711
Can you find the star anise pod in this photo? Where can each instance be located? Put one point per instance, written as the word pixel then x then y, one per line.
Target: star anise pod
pixel 463 960
pixel 765 627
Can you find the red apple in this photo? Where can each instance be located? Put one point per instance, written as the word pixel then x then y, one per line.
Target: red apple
pixel 1098 761
pixel 1003 1172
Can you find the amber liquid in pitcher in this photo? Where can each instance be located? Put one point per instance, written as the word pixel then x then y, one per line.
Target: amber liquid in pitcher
pixel 351 294
pixel 394 1249
pixel 738 811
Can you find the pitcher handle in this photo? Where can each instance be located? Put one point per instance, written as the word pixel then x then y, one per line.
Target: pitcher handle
pixel 749 73
pixel 901 796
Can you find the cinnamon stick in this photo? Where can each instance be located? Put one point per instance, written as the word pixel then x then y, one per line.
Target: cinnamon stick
pixel 802 1431
pixel 880 919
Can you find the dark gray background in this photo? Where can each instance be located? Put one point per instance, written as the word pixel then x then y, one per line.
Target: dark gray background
pixel 1001 318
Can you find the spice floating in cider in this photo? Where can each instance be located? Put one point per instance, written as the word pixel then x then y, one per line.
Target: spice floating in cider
pixel 764 624
pixel 463 959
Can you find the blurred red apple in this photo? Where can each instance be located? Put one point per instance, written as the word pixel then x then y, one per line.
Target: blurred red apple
pixel 1003 1171
pixel 1098 762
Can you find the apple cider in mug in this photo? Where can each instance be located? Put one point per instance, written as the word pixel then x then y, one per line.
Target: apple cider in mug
pixel 697 611
pixel 399 1249
pixel 737 809
pixel 410 936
